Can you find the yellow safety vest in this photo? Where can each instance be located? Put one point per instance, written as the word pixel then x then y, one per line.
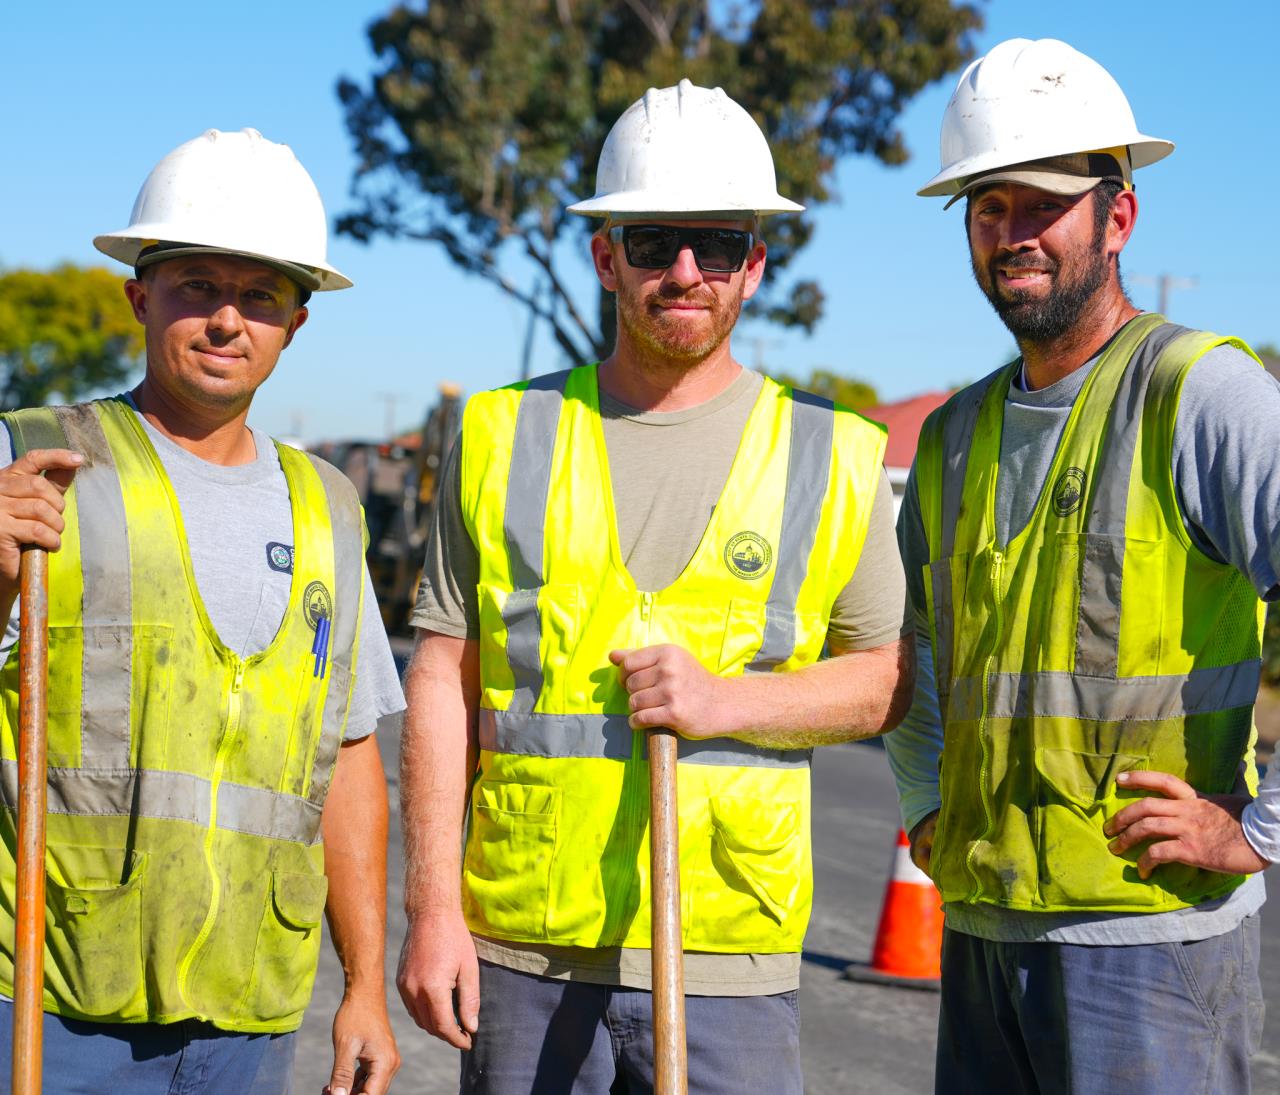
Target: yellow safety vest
pixel 1099 640
pixel 185 874
pixel 557 848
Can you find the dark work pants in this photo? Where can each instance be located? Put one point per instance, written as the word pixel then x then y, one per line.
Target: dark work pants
pixel 1062 1019
pixel 541 1036
pixel 183 1058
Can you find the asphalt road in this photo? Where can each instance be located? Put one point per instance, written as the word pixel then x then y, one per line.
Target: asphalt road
pixel 856 1039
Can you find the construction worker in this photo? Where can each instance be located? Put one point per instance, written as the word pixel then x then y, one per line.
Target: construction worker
pixel 662 539
pixel 1086 534
pixel 213 770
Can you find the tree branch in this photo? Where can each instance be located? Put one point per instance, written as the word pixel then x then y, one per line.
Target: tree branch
pixel 482 266
pixel 557 286
pixel 659 28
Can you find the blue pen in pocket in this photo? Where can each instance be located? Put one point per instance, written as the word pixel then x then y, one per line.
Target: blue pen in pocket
pixel 320 647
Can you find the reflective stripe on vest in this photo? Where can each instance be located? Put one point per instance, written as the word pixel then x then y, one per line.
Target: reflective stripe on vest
pixel 1097 639
pixel 557 843
pixel 535 734
pixel 185 782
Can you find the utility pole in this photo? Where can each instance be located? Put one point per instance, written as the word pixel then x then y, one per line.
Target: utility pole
pixel 1164 284
pixel 758 346
pixel 390 399
pixel 526 354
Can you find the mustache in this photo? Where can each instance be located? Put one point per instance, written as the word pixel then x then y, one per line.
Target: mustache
pixel 674 296
pixel 1024 262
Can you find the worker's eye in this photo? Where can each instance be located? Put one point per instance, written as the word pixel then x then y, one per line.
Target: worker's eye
pixel 198 285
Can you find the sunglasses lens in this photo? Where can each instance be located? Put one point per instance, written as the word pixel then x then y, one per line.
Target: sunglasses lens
pixel 652 247
pixel 719 250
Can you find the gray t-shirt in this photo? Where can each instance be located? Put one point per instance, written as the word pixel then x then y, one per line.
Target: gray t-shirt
pixel 668 470
pixel 233 517
pixel 1226 469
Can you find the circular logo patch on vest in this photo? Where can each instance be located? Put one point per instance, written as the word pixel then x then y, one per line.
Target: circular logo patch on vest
pixel 280 557
pixel 748 555
pixel 1068 492
pixel 317 603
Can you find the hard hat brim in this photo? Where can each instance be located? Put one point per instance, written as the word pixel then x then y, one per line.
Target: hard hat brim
pixel 126 245
pixel 647 202
pixel 957 177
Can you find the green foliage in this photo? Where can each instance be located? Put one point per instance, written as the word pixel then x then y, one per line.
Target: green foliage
pixel 65 332
pixel 857 395
pixel 495 113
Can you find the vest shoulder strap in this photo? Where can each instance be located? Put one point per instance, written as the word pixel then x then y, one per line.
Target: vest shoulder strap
pixel 34 428
pixel 942 458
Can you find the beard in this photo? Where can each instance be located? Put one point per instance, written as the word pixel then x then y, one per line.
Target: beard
pixel 655 330
pixel 1073 284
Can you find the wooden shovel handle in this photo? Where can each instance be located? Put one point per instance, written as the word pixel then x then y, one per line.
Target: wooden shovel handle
pixel 670 1064
pixel 28 980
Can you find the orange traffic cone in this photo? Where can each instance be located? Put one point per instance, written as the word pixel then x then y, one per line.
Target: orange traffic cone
pixel 909 939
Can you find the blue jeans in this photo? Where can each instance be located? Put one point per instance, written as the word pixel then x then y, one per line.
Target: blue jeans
pixel 1064 1019
pixel 541 1036
pixel 183 1058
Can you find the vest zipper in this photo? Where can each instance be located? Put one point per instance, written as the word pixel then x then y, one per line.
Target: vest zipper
pixel 634 807
pixel 224 748
pixel 984 793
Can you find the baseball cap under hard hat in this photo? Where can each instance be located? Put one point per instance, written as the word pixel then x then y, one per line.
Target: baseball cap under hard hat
pixel 1072 174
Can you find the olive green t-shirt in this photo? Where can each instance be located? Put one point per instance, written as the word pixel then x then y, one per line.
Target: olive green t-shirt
pixel 668 470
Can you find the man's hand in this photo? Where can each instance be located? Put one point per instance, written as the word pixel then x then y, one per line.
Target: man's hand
pixel 669 687
pixel 921 837
pixel 439 977
pixel 364 1049
pixel 31 504
pixel 1183 827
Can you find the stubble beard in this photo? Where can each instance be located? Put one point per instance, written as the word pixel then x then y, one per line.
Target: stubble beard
pixel 665 337
pixel 1035 319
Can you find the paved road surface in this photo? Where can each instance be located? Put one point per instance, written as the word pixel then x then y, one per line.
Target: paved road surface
pixel 856 1039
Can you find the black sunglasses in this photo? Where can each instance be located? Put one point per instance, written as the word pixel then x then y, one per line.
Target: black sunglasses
pixel 656 246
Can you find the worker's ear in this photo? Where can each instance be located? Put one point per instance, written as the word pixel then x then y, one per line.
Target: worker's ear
pixel 299 318
pixel 135 291
pixel 755 270
pixel 603 256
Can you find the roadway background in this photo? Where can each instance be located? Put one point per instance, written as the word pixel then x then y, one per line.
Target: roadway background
pixel 856 1039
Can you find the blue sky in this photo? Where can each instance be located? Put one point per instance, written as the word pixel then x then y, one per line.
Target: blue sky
pixel 96 93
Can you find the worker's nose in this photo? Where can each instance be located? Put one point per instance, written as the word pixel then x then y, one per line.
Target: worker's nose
pixel 684 271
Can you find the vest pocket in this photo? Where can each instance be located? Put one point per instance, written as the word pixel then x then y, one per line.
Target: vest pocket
pixel 757 861
pixel 1077 795
pixel 93 946
pixel 507 866
pixel 288 946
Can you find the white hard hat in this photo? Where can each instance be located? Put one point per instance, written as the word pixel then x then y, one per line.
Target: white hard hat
pixel 1034 100
pixel 685 150
pixel 236 193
